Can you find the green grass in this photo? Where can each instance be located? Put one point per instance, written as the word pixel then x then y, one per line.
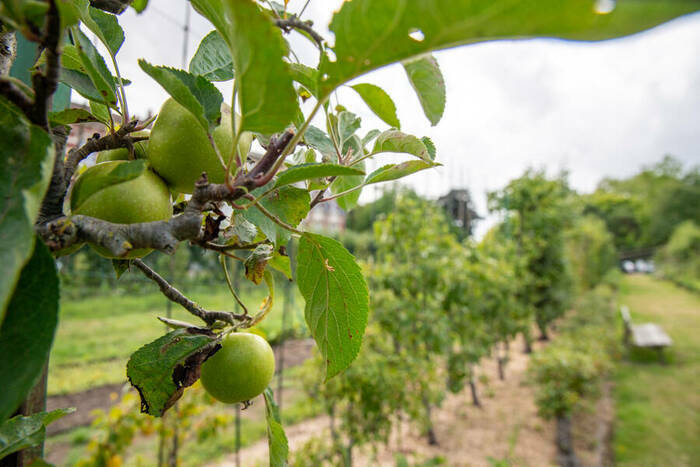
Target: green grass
pixel 96 335
pixel 658 406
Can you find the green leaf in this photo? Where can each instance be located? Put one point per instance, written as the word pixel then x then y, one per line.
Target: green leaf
pixel 370 34
pixel 21 432
pixel 161 370
pixel 25 171
pixel 342 184
pixel 289 204
pixel 395 171
pixel 430 146
pixel 27 332
pixel 257 261
pixel 426 78
pixel 282 264
pixel 241 231
pixel 101 112
pixel 303 172
pixel 370 136
pixel 213 59
pixel 139 5
pixel 82 84
pixel 348 124
pixel 320 141
pixel 379 102
pixel 95 68
pixel 276 439
pixel 104 25
pixel 105 176
pixel 70 116
pixel 194 93
pixel 396 141
pixel 337 299
pixel 266 95
pixel 120 266
pixel 306 76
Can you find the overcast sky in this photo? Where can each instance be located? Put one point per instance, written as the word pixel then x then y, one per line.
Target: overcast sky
pixel 596 110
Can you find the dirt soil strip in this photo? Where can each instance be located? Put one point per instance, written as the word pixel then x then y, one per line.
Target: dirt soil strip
pixel 103 397
pixel 468 436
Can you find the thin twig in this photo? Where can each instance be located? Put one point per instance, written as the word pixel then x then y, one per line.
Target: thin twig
pixel 222 260
pixel 293 22
pixel 174 295
pixel 45 84
pixel 14 94
pixel 118 139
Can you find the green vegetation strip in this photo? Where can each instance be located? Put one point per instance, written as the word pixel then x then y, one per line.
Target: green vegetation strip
pixel 658 406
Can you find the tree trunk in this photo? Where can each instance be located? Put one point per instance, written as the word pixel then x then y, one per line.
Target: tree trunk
pixel 472 386
pixel 528 343
pixel 501 367
pixel 430 432
pixel 35 402
pixel 565 445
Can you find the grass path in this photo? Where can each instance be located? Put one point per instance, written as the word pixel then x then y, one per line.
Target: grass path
pixel 658 406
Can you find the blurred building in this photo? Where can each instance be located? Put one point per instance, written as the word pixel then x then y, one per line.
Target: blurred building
pixel 326 217
pixel 459 207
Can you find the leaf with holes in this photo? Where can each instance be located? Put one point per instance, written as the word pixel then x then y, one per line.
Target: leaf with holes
pixel 370 34
pixel 426 78
pixel 161 370
pixel 213 59
pixel 337 299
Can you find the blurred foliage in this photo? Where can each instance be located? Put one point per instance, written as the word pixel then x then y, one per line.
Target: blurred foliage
pixel 679 259
pixel 644 209
pixel 572 368
pixel 590 251
pixel 537 210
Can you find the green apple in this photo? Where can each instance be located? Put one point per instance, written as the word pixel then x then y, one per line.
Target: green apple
pixel 123 192
pixel 122 154
pixel 240 370
pixel 179 149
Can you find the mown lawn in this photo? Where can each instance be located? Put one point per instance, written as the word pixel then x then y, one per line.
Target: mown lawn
pixel 96 335
pixel 658 406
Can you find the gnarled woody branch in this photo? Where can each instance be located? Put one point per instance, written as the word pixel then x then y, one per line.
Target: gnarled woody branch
pixel 171 293
pixel 164 236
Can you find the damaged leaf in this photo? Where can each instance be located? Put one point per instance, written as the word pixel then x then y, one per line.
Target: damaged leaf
pixel 161 370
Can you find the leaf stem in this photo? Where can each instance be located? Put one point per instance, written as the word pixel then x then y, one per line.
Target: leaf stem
pixel 277 220
pixel 122 92
pixel 222 260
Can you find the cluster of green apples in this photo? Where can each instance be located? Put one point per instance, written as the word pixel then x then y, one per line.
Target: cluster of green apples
pixel 125 191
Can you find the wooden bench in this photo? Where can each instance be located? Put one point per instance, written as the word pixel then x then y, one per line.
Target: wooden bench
pixel 646 335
